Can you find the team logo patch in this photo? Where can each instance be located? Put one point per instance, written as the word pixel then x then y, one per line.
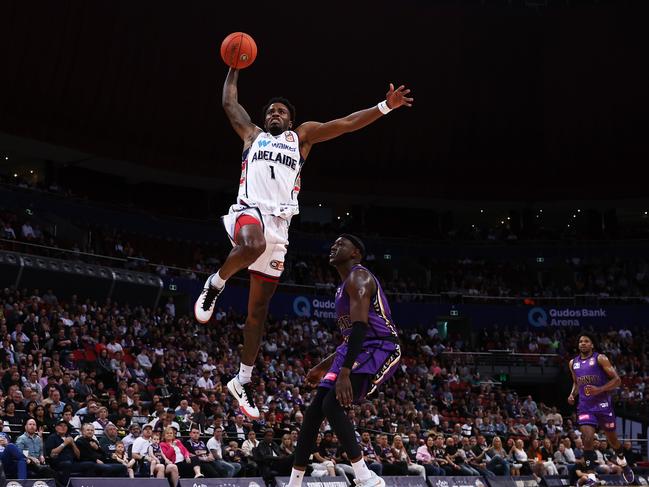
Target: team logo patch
pixel 277 265
pixel 592 361
pixel 289 137
pixel 330 376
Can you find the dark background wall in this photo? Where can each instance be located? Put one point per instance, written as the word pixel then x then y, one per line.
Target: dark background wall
pixel 511 100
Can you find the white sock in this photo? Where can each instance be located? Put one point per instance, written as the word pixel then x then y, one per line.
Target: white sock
pixel 361 472
pixel 296 478
pixel 217 281
pixel 245 373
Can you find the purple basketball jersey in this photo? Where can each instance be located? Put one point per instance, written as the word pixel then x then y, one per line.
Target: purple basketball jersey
pixel 589 372
pixel 381 352
pixel 379 318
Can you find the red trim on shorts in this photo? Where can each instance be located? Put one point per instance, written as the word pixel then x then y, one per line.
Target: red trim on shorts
pixel 242 221
pixel 264 277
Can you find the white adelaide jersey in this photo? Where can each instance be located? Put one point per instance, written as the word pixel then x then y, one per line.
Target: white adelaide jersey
pixel 270 174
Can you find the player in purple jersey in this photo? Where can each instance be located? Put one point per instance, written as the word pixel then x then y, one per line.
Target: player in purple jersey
pixel 593 379
pixel 368 356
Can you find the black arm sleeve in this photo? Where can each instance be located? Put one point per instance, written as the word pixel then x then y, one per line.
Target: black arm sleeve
pixel 355 343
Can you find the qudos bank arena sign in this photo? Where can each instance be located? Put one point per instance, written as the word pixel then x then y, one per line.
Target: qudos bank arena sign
pixel 308 307
pixel 563 317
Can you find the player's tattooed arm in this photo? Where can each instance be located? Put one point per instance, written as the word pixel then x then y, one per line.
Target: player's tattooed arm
pixel 239 118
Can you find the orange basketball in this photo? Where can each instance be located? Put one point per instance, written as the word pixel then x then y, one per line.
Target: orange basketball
pixel 238 50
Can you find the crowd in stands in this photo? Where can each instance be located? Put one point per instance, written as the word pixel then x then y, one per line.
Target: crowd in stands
pixel 406 279
pixel 490 277
pixel 113 390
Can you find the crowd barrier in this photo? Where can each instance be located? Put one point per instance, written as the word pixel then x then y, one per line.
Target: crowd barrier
pixel 323 481
pixel 115 482
pixel 224 482
pixel 70 277
pixel 457 481
pixel 390 481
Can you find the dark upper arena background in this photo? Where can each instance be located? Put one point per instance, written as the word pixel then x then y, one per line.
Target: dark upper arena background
pixel 505 212
pixel 528 100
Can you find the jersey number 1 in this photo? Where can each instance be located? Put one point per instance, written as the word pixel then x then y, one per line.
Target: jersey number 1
pixel 272 172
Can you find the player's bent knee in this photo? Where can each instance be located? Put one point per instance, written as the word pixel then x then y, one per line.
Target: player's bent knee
pixel 253 248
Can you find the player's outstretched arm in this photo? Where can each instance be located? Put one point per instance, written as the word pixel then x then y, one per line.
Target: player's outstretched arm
pixel 314 132
pixel 239 118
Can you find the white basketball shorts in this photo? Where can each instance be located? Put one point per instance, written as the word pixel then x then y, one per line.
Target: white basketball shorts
pixel 270 264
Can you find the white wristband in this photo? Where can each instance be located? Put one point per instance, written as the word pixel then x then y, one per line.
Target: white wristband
pixel 383 107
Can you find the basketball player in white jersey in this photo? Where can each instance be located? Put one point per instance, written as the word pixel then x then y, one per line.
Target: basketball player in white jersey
pixel 258 223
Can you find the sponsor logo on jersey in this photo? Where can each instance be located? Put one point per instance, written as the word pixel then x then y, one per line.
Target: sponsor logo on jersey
pixel 277 145
pixel 583 417
pixel 283 146
pixel 576 365
pixel 277 265
pixel 603 404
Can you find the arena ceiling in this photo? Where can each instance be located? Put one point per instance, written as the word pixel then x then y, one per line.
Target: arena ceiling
pixel 511 100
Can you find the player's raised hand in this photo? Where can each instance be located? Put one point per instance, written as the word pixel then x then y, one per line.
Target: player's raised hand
pixel 396 98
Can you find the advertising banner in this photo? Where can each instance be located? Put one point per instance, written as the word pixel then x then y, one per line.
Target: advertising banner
pixel 457 482
pixel 321 306
pixel 525 481
pixel 315 481
pixel 31 483
pixel 555 481
pixel 112 482
pixel 405 481
pixel 501 482
pixel 224 482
